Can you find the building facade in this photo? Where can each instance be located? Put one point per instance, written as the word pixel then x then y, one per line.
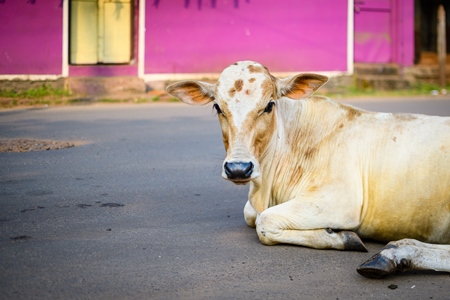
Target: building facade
pixel 173 39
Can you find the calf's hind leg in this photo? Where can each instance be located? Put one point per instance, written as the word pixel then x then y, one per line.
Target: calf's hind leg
pixel 406 254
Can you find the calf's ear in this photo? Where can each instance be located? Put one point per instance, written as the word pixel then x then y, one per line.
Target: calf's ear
pixel 300 86
pixel 192 92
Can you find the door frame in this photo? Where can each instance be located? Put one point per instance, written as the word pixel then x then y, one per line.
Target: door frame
pixel 138 40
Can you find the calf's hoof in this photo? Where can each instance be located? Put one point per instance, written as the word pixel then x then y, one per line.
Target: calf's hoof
pixel 352 241
pixel 377 267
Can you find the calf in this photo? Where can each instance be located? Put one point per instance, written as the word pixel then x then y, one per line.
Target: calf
pixel 323 174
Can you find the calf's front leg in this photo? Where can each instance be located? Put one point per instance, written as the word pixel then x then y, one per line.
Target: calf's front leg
pixel 250 215
pixel 279 225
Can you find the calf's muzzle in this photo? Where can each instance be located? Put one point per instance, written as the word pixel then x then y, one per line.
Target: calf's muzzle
pixel 238 170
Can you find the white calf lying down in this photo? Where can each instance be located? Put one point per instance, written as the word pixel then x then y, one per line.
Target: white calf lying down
pixel 323 174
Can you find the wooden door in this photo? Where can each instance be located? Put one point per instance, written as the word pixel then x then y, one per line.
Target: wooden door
pixel 100 31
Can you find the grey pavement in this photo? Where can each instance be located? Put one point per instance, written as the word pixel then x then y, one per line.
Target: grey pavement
pixel 140 211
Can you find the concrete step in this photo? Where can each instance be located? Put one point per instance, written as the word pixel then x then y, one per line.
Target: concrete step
pixel 376 69
pixel 379 82
pixel 427 73
pixel 94 86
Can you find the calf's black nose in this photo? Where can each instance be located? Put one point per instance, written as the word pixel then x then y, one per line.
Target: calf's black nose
pixel 238 170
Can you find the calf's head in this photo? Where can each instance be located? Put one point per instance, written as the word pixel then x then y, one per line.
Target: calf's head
pixel 245 98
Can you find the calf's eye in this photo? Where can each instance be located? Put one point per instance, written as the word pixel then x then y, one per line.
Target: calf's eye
pixel 217 108
pixel 269 107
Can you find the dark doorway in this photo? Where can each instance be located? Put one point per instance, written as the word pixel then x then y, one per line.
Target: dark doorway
pixel 425 31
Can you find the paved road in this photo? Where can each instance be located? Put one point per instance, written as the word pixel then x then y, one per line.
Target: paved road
pixel 180 233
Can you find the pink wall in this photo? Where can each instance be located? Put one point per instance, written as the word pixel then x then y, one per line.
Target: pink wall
pixel 31 37
pixel 195 36
pixel 204 36
pixel 384 31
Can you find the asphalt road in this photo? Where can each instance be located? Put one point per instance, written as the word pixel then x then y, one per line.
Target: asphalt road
pixel 140 212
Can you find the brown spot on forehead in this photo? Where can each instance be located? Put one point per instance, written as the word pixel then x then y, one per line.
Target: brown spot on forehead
pixel 268 88
pixel 252 79
pixel 255 69
pixel 238 84
pixel 232 92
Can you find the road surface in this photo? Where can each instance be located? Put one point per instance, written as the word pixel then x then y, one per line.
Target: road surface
pixel 140 211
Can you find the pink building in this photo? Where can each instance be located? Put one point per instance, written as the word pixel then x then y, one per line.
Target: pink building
pixel 162 39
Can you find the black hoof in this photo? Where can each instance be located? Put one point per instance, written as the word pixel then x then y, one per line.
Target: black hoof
pixel 377 267
pixel 353 242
